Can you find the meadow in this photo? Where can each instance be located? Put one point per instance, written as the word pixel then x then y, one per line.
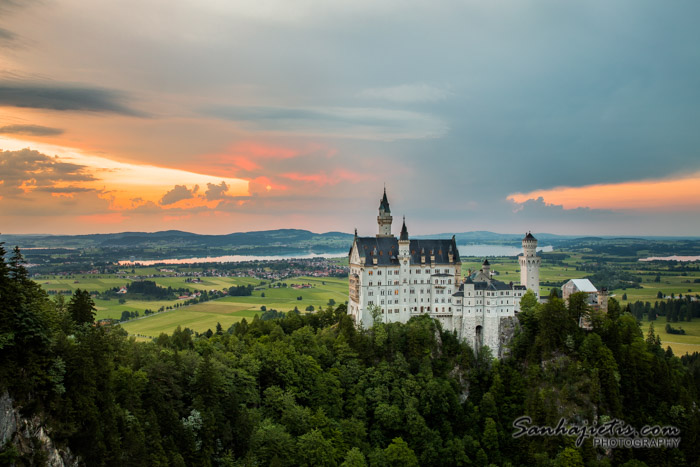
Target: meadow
pixel 679 343
pixel 228 310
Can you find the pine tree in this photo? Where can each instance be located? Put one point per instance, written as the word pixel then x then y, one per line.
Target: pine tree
pixel 82 307
pixel 17 270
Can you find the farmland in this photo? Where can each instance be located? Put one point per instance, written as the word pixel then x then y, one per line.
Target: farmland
pixel 282 296
pixel 229 310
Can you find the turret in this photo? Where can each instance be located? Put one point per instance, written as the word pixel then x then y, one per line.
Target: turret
pixel 384 218
pixel 529 245
pixel 404 242
pixel 530 264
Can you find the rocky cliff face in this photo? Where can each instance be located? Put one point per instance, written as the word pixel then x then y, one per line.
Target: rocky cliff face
pixel 507 328
pixel 27 438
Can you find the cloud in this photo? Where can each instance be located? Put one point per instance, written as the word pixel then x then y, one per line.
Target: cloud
pixel 322 178
pixel 343 122
pixel 215 192
pixel 406 93
pixel 643 195
pixel 37 191
pixel 7 36
pixel 63 97
pixel 30 130
pixel 7 5
pixel 27 170
pixel 63 189
pixel 178 193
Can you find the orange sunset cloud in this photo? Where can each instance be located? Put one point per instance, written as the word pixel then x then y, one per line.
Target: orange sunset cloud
pixel 125 186
pixel 667 194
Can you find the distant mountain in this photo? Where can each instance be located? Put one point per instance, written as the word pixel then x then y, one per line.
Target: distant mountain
pixel 274 241
pixel 176 238
pixel 493 238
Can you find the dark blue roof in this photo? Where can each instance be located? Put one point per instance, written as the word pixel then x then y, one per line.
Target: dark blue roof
pixel 386 250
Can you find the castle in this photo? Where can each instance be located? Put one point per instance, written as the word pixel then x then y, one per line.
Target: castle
pixel 404 277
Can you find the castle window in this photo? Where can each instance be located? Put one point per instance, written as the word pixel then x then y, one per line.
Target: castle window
pixel 379 273
pixel 371 272
pixel 370 283
pixel 396 292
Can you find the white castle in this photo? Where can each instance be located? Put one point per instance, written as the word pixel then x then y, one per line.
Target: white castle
pixel 408 277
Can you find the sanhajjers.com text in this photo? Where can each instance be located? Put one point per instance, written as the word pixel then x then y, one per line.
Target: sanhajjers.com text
pixel 611 434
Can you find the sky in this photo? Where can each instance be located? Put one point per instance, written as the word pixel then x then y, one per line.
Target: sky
pixel 212 116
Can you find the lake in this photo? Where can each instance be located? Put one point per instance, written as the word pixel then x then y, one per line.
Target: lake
pixel 671 258
pixel 229 259
pixel 495 250
pixel 464 250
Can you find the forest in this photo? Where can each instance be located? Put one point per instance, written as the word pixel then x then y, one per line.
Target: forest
pixel 312 389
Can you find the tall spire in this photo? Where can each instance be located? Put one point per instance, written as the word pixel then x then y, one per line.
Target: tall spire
pixel 384 203
pixel 404 230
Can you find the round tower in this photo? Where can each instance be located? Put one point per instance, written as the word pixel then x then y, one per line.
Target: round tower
pixel 530 265
pixel 384 218
pixel 486 268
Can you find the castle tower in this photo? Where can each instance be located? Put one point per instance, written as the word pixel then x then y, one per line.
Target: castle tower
pixel 384 218
pixel 603 299
pixel 486 268
pixel 530 265
pixel 403 241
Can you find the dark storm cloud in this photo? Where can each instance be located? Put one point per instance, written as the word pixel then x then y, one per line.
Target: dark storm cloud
pixel 30 130
pixel 65 97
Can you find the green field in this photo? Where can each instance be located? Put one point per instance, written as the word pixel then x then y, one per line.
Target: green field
pixel 679 343
pixel 229 310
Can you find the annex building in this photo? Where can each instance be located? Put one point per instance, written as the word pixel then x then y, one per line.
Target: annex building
pixel 403 277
